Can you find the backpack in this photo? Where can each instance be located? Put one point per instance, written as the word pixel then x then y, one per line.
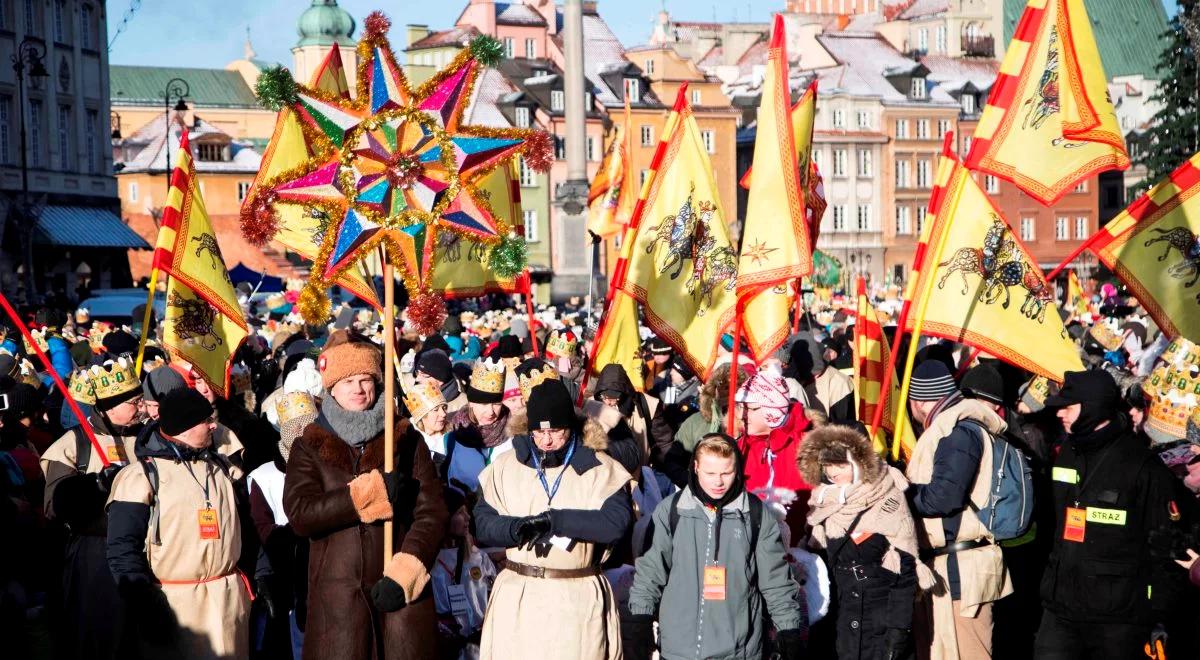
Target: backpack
pixel 1009 508
pixel 756 506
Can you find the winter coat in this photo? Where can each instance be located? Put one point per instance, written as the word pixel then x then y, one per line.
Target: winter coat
pixel 835 392
pixel 531 617
pixel 642 412
pixel 668 582
pixel 346 555
pixel 198 575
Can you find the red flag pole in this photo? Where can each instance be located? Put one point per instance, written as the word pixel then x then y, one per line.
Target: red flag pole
pixel 730 416
pixel 1074 255
pixel 799 306
pixel 83 422
pixel 528 286
pixel 962 368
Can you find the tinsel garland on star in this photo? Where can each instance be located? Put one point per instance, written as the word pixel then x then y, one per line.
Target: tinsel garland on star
pixel 393 166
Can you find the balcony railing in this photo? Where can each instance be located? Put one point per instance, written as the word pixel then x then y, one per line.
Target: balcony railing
pixel 979 46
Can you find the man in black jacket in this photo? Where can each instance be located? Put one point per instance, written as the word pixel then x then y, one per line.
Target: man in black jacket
pixel 1102 590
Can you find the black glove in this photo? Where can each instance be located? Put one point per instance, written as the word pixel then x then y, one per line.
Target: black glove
pixel 638 639
pixel 531 528
pixel 388 595
pixel 105 477
pixel 1158 642
pixel 790 644
pixel 262 593
pixel 149 607
pixel 896 643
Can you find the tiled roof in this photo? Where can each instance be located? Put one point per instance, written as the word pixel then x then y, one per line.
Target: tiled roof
pixel 922 8
pixel 1128 33
pixel 714 57
pixel 954 72
pixel 80 226
pixel 207 88
pixel 457 36
pixel 866 57
pixel 153 157
pixel 489 89
pixel 604 58
pixel 518 14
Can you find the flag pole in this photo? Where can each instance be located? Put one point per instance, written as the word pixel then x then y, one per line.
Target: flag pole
pixel 730 416
pixel 83 422
pixel 1074 255
pixel 146 320
pixel 389 386
pixel 799 305
pixel 528 285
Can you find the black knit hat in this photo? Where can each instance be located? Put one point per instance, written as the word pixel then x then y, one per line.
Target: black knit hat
pixel 180 410
pixel 119 342
pixel 984 382
pixel 435 363
pixel 81 353
pixel 550 407
pixel 509 346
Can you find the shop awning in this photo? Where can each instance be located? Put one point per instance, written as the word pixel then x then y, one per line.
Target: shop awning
pixel 81 226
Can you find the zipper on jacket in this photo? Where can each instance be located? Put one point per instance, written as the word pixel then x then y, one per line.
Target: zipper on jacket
pixel 700 618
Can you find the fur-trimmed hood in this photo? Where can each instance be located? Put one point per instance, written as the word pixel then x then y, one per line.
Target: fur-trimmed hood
pixel 839 441
pixel 714 395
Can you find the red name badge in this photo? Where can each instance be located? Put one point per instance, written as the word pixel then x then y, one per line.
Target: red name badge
pixel 209 527
pixel 1076 525
pixel 714 583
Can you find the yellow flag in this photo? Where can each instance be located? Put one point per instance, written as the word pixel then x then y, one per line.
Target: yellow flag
pixel 609 187
pixel 618 340
pixel 985 289
pixel 775 240
pixel 1154 247
pixel 678 262
pixel 1048 123
pixel 459 270
pixel 1077 303
pixel 204 323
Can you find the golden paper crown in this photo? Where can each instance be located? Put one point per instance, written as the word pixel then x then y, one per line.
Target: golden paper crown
pixel 82 389
pixel 1039 389
pixel 39 338
pixel 561 344
pixel 114 378
pixel 1104 336
pixel 100 330
pixel 488 377
pixel 536 377
pixel 1174 391
pixel 294 405
pixel 422 398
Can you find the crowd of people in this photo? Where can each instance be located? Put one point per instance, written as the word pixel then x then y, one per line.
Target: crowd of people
pixel 530 510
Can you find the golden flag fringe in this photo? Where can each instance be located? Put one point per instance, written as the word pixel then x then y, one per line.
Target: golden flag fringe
pixel 1154 247
pixel 1048 123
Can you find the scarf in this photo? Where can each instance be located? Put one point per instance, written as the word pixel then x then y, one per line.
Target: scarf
pixel 354 427
pixel 833 508
pixel 472 434
pixel 716 504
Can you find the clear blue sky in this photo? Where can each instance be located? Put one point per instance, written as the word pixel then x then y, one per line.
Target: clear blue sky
pixel 211 33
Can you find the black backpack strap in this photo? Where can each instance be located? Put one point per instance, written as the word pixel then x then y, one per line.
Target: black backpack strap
pixel 673 516
pixel 756 513
pixel 151 472
pixel 83 449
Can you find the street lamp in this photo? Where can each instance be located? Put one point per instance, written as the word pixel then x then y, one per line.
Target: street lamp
pixel 176 88
pixel 28 59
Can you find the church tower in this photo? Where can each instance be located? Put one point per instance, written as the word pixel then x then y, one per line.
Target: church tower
pixel 320 27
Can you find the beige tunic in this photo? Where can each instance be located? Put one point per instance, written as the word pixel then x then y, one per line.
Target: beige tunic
pixel 58 462
pixel 199 576
pixel 531 618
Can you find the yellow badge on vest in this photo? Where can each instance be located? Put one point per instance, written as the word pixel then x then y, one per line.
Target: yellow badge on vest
pixel 210 528
pixel 1106 516
pixel 714 583
pixel 1065 475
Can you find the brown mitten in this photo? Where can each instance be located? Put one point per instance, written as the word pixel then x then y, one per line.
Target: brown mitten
pixel 370 497
pixel 408 572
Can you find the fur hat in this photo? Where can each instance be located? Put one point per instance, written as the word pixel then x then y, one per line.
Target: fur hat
pixel 834 443
pixel 348 355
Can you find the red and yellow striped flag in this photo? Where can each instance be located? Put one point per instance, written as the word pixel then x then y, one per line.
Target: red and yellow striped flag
pixel 1154 247
pixel 775 240
pixel 1048 123
pixel 871 355
pixel 204 324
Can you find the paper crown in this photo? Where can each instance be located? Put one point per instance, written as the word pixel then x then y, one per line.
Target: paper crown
pixel 39 338
pixel 239 379
pixel 421 398
pixel 534 378
pixel 488 377
pixel 294 405
pixel 27 374
pixel 114 378
pixel 151 365
pixel 83 315
pixel 82 389
pixel 1174 391
pixel 100 330
pixel 1105 336
pixel 561 344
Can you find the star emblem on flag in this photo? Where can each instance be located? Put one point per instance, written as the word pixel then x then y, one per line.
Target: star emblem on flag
pixel 759 252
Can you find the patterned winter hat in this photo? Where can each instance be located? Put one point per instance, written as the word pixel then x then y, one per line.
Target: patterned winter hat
pixel 768 391
pixel 296 411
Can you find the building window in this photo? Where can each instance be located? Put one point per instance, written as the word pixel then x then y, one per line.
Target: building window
pixel 587 101
pixel 1081 227
pixel 903 221
pixel 1061 231
pixel 509 48
pixel 133 191
pixel 839 218
pixel 557 100
pixel 864 119
pixel 527 176
pixel 243 190
pixel 922 129
pixel 917 90
pixel 35 132
pixel 991 184
pixel 710 141
pixel 865 166
pixel 633 90
pixel 902 173
pixel 66 158
pixel 921 212
pixel 522 117
pixel 864 217
pixel 967 144
pixel 839 118
pixel 647 132
pixel 818 157
pixel 530 221
pixel 31 24
pixel 60 21
pixel 943 128
pixel 93 134
pixel 901 129
pixel 1027 229
pixel 839 162
pixel 939 39
pixel 1082 187
pixel 649 67
pixel 530 48
pixel 923 174
pixel 5 128
pixel 85 26
pixel 923 39
pixel 968 104
pixel 593 153
pixel 696 97
pixel 560 148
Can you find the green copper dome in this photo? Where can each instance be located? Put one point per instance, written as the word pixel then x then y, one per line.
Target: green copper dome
pixel 324 23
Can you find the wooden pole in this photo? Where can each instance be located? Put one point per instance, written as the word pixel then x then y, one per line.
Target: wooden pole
pixel 389 387
pixel 146 320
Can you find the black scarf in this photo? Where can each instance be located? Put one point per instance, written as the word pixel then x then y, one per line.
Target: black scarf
pixel 1095 439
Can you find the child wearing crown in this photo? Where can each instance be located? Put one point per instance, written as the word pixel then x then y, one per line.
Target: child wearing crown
pixel 479 433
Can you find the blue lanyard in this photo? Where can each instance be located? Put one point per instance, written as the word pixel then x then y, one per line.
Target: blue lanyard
pixel 537 464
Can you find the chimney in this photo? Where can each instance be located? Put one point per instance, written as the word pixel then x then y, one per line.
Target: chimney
pixel 842 21
pixel 416 32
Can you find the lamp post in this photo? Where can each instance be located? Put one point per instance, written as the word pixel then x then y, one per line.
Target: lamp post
pixel 176 88
pixel 27 60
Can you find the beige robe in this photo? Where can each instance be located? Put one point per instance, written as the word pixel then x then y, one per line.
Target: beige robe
pixel 58 462
pixel 982 576
pixel 199 576
pixel 531 618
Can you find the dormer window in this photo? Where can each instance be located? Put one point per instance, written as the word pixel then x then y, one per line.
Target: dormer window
pixel 522 117
pixel 557 100
pixel 212 152
pixel 633 90
pixel 917 90
pixel 968 104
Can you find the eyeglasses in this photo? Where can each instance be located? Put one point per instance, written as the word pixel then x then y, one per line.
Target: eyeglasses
pixel 542 434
